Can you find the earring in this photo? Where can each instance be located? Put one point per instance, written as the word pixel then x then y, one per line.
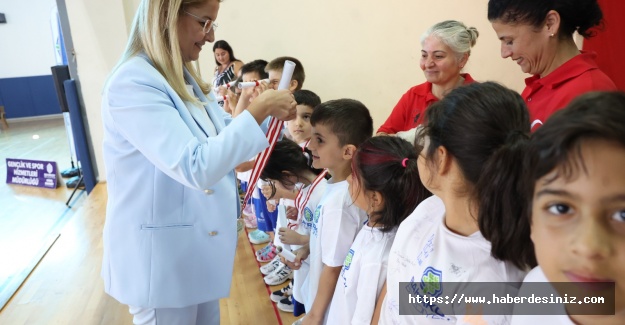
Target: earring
pixel 551 35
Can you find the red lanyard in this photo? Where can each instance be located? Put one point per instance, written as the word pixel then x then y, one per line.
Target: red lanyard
pixel 275 127
pixel 301 200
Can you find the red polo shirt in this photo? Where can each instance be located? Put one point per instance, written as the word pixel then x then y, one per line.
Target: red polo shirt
pixel 410 110
pixel 578 75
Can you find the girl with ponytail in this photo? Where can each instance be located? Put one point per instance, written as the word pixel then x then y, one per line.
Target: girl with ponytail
pixel 290 168
pixel 475 227
pixel 384 183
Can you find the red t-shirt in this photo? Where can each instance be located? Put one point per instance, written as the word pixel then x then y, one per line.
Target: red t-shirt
pixel 579 75
pixel 410 110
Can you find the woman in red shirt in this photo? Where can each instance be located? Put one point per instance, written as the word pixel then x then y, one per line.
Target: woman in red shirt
pixel 538 35
pixel 446 47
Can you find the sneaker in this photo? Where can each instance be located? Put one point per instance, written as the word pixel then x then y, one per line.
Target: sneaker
pixel 265 249
pixel 258 237
pixel 285 292
pixel 250 222
pixel 267 255
pixel 249 217
pixel 271 266
pixel 286 305
pixel 279 276
pixel 299 321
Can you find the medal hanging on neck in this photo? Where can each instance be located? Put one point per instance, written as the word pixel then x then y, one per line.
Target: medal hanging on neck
pixel 301 200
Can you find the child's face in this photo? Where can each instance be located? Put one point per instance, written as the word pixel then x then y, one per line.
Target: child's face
pixel 300 127
pixel 578 224
pixel 250 76
pixel 274 80
pixel 325 148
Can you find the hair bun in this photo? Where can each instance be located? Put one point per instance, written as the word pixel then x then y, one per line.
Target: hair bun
pixel 474 35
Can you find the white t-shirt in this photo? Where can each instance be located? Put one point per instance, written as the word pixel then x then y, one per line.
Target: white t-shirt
pixel 334 227
pixel 537 275
pixel 425 249
pixel 362 277
pixel 303 228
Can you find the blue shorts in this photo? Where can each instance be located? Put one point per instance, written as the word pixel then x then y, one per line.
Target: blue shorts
pixel 244 189
pixel 298 307
pixel 265 220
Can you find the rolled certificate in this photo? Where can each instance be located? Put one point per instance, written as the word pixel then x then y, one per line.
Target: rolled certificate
pixel 230 84
pixel 221 98
pixel 250 84
pixel 287 74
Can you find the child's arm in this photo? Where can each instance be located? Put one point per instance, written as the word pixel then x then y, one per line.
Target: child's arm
pixel 243 167
pixel 378 306
pixel 325 291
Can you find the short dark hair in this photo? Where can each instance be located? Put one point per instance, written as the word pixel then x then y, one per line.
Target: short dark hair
pixel 575 15
pixel 257 66
pixel 348 119
pixel 485 128
pixel 306 97
pixel 298 73
pixel 221 44
pixel 287 156
pixel 388 165
pixel 557 144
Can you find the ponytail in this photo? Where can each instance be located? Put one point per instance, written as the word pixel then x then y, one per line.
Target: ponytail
pixel 290 157
pixel 485 127
pixel 503 215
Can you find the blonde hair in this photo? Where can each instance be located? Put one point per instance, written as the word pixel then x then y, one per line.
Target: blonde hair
pixel 454 34
pixel 154 32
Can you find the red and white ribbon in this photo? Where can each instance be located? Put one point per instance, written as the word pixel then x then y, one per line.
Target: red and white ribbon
pixel 301 200
pixel 221 98
pixel 273 133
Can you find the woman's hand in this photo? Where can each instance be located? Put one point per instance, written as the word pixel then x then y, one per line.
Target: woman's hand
pixel 277 103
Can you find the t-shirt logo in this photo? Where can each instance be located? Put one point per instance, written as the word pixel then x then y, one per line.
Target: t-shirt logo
pixel 348 259
pixel 431 281
pixel 317 214
pixel 308 215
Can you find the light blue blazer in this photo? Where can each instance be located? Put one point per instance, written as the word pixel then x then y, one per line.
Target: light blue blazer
pixel 170 233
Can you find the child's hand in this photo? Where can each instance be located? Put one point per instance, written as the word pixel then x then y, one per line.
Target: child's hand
pixel 291 213
pixel 300 255
pixel 231 101
pixel 271 207
pixel 289 236
pixel 221 90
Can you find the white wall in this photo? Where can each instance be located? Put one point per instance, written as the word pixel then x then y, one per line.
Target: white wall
pixel 26 46
pixel 99 35
pixel 367 50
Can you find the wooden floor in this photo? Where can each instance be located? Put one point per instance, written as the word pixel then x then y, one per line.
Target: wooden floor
pixel 66 288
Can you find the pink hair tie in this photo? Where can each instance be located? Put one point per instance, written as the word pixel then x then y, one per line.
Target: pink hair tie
pixel 403 162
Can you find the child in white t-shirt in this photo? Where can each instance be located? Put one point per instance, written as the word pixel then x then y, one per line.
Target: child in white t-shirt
pixel 384 183
pixel 576 169
pixel 474 229
pixel 339 127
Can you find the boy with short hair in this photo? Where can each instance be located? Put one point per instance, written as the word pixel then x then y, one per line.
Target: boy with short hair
pixel 339 127
pixel 274 70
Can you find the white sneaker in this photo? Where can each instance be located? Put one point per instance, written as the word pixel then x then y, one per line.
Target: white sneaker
pixel 271 266
pixel 279 276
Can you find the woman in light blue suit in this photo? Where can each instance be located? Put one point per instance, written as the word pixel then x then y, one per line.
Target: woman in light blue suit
pixel 170 150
